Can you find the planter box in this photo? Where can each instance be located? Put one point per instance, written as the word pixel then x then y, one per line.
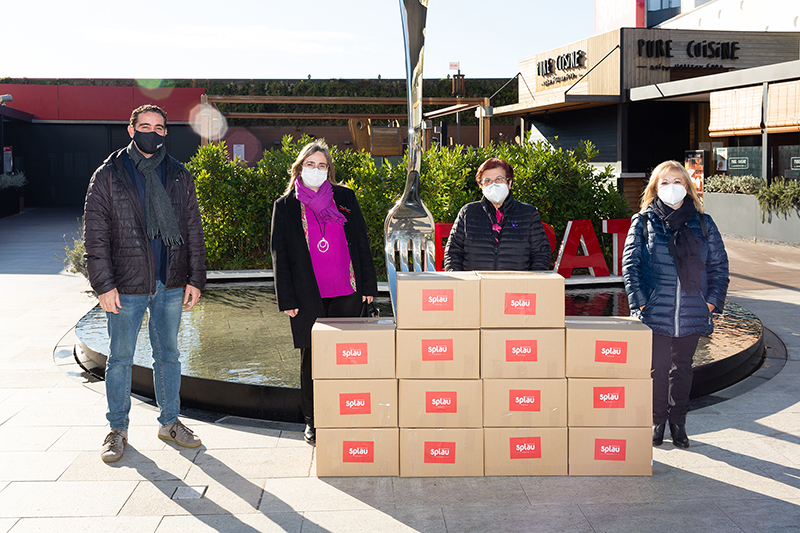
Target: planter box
pixel 10 201
pixel 739 216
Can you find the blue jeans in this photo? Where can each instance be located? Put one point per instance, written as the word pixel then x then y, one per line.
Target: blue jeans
pixel 123 328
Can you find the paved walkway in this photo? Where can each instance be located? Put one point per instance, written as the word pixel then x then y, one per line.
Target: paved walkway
pixel 742 472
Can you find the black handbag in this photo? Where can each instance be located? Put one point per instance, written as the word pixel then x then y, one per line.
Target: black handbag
pixel 368 310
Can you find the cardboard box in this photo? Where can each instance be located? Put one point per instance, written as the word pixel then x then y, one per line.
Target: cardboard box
pixel 608 347
pixel 610 451
pixel 525 451
pixel 525 403
pixel 355 403
pixel 522 300
pixel 438 353
pixel 610 402
pixel 522 353
pixel 441 452
pixel 358 452
pixel 441 403
pixel 353 348
pixel 438 300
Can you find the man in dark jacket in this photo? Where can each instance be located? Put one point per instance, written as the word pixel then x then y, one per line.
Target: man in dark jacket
pixel 144 250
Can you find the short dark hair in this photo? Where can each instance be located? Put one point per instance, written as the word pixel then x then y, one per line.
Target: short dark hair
pixel 147 108
pixel 493 162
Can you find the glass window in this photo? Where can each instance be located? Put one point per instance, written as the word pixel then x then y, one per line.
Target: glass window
pixel 788 164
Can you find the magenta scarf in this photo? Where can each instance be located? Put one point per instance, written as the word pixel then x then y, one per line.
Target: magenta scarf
pixel 320 202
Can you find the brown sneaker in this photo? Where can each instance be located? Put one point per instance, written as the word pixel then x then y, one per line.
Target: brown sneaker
pixel 179 434
pixel 114 445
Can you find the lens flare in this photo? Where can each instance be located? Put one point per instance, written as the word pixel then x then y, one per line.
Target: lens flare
pixel 208 122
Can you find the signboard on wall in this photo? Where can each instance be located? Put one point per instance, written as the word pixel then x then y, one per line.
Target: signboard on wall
pixel 739 163
pixel 695 164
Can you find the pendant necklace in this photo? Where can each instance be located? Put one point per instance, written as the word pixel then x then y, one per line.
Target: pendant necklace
pixel 322 245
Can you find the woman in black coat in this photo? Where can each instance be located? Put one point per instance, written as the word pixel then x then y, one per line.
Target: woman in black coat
pixel 320 256
pixel 497 232
pixel 675 271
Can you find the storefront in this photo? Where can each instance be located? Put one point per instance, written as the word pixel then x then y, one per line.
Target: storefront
pixel 642 96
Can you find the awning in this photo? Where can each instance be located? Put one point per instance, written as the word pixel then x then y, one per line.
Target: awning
pixel 736 112
pixel 783 107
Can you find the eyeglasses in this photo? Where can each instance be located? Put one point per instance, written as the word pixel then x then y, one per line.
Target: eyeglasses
pixel 320 166
pixel 490 181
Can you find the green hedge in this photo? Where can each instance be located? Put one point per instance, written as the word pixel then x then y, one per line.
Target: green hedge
pixel 236 201
pixel 781 196
pixel 733 184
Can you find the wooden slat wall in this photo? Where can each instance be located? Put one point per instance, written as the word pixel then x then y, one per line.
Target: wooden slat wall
pixel 603 80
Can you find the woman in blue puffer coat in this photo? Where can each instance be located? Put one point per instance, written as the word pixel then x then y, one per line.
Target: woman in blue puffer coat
pixel 675 270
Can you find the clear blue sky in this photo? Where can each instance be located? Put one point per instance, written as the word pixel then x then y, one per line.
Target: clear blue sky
pixel 277 39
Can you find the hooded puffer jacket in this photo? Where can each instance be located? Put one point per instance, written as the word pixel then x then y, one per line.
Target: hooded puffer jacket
pixel 523 244
pixel 651 278
pixel 118 252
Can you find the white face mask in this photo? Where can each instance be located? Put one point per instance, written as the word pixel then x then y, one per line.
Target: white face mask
pixel 672 194
pixel 496 192
pixel 313 177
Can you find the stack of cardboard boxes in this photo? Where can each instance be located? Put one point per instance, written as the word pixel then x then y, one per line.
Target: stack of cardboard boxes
pixel 478 377
pixel 610 396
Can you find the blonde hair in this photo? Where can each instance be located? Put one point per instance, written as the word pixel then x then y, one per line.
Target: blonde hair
pixel 651 191
pixel 307 151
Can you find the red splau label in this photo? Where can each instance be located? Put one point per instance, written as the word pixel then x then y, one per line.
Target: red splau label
pixel 440 452
pixel 525 447
pixel 358 451
pixel 611 352
pixel 437 299
pixel 524 400
pixel 609 397
pixel 609 449
pixel 357 403
pixel 351 353
pixel 437 349
pixel 521 351
pixel 520 303
pixel 441 402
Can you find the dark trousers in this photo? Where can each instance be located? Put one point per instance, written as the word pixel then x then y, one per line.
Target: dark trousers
pixel 339 306
pixel 671 371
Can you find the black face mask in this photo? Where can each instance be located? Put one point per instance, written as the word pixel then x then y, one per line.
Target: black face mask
pixel 148 142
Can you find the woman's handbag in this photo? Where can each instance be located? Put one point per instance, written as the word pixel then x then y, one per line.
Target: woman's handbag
pixel 368 310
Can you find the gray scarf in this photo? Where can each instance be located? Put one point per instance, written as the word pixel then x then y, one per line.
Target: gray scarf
pixel 158 208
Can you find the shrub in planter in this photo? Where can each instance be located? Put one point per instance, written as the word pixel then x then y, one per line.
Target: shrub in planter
pixel 781 196
pixel 733 184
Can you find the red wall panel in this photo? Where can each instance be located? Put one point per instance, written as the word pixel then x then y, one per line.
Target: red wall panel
pixel 39 100
pixel 178 103
pixel 94 103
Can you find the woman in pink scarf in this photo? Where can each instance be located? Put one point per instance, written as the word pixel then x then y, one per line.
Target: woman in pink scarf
pixel 320 255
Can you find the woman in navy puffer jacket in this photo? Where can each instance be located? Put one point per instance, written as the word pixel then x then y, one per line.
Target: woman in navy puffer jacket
pixel 675 270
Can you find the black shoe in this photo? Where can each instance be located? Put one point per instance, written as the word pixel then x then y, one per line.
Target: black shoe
pixel 679 436
pixel 310 434
pixel 658 433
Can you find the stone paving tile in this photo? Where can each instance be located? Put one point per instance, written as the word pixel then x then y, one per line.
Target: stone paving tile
pixel 69 396
pixel 55 415
pixel 34 466
pixel 315 494
pixel 139 524
pixel 17 379
pixel 377 492
pixel 33 439
pixel 418 492
pixel 371 520
pixel 239 523
pixel 155 498
pixel 657 516
pixel 581 489
pixel 518 518
pixel 292 439
pixel 65 498
pixel 7 523
pixel 738 453
pixel 219 437
pixel 720 482
pixel 250 463
pixel 767 515
pixel 134 466
pixel 788 446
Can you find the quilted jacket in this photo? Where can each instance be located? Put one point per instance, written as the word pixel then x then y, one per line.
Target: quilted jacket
pixel 523 244
pixel 651 278
pixel 117 249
